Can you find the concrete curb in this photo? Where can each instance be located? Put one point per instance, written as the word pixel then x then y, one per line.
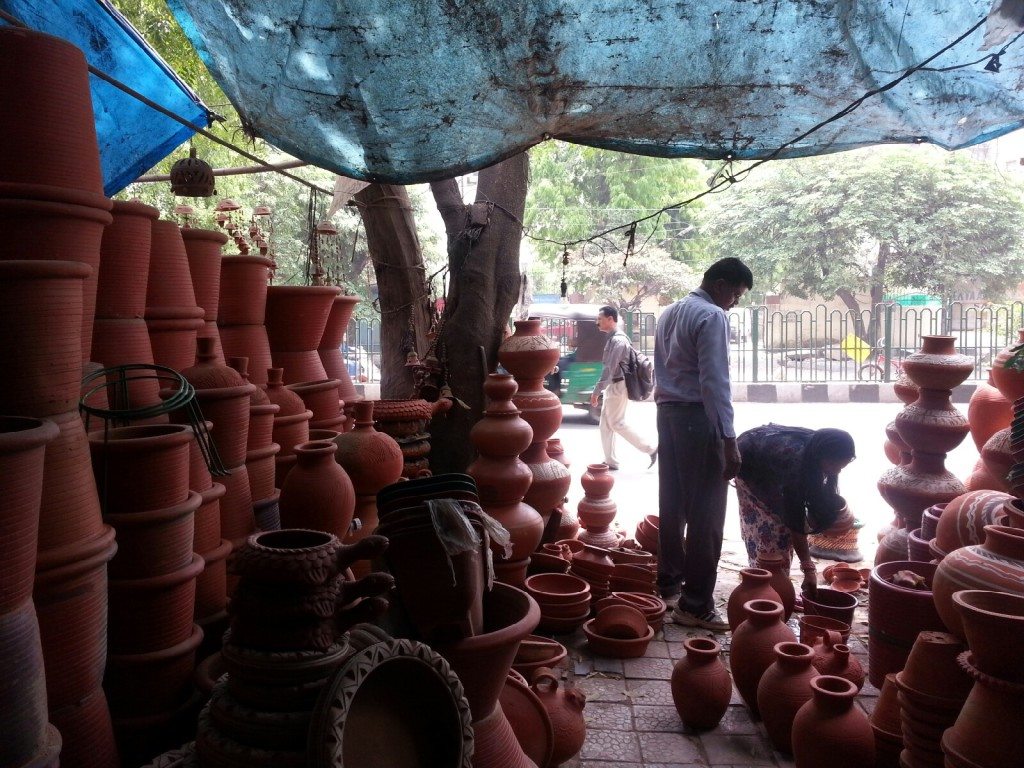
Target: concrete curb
pixel 796 392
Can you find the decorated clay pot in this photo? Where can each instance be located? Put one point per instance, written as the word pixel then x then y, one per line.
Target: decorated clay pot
pixel 830 730
pixel 318 493
pixel 937 365
pixel 932 421
pixel 755 584
pixel 701 686
pixel 964 518
pixel 596 510
pixel 753 646
pixel 785 687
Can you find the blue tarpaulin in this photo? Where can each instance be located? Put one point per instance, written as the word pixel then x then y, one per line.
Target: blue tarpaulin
pixel 418 90
pixel 132 136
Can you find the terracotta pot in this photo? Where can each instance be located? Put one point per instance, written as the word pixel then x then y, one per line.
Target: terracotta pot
pixel 371 458
pixel 170 280
pixel 211 331
pixel 295 319
pixel 814 628
pixel 755 584
pixel 557 588
pixel 22 454
pixel 623 622
pixel 528 718
pixel 1009 382
pixel 243 290
pixel 937 365
pixel 701 686
pixel 528 354
pixel 318 493
pixel 155 541
pixel 57 147
pixel 917 547
pixel 86 731
pixel 41 314
pixel 248 341
pixel 172 334
pixel 199 477
pixel 211 584
pixel 831 603
pixel 141 468
pixel 993 622
pixel 260 467
pixel 753 647
pixel 565 709
pixel 616 647
pixel 268 512
pixel 781 582
pixel 290 556
pixel 932 421
pixel 291 420
pixel 126 342
pixel 930 521
pixel 830 730
pixel 124 261
pixel 228 409
pixel 910 489
pixel 329 348
pixel 785 687
pixel 964 518
pixel 536 652
pixel 987 413
pixel 22 683
pixel 997 565
pixel 896 615
pixel 551 480
pixel 997 456
pixel 236 506
pixel 932 679
pixel 203 249
pixel 148 683
pixel 320 397
pixel 832 657
pixel 596 510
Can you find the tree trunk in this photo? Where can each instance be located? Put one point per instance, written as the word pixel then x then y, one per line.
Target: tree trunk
pixel 483 261
pixel 878 288
pixel 401 281
pixel 850 300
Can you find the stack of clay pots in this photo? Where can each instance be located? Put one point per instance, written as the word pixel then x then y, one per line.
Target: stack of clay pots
pixel 330 346
pixel 597 510
pixel 595 566
pixel 52 208
pixel 322 399
pixel 564 601
pixel 142 473
pixel 172 315
pixel 296 316
pixel 291 423
pixel 406 421
pixel 636 570
pixel 261 453
pixel 241 310
pixel 203 248
pixel 618 631
pixel 964 525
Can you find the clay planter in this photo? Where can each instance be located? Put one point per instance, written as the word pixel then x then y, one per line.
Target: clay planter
pixel 86 731
pixel 248 341
pixel 58 146
pixel 755 584
pixel 228 409
pixel 268 512
pixel 243 291
pixel 295 319
pixel 41 314
pixel 148 683
pixel 830 730
pixel 753 647
pixel 199 477
pixel 701 686
pixel 172 334
pixel 963 520
pixel 785 687
pixel 896 615
pixel 124 261
pixel 22 451
pixel 70 596
pixel 153 542
pixel 141 468
pixel 260 467
pixel 22 681
pixel 813 628
pixel 536 652
pixel 318 494
pixel 832 603
pixel 152 613
pixel 170 280
pixel 203 250
pixel 47 230
pixel 993 622
pixel 261 424
pixel 320 397
pixel 127 342
pixel 329 348
pixel 996 565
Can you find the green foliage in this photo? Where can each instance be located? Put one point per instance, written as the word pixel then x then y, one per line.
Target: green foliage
pixel 888 219
pixel 652 273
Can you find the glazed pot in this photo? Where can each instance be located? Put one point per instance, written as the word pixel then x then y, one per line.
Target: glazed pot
pixel 753 646
pixel 785 687
pixel 701 686
pixel 830 730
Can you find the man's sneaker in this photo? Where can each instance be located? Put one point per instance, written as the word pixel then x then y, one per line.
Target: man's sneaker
pixel 711 620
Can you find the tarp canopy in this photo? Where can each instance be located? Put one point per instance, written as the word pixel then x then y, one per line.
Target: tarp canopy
pixel 132 137
pixel 425 89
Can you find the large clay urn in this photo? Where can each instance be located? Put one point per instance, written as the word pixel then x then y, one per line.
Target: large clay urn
pixel 830 729
pixel 785 687
pixel 318 494
pixel 295 320
pixel 755 584
pixel 996 565
pixel 502 478
pixel 1008 381
pixel 987 412
pixel 329 348
pixel 701 686
pixel 753 647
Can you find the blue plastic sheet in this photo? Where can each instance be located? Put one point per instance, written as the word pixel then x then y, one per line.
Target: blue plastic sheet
pixel 424 89
pixel 132 136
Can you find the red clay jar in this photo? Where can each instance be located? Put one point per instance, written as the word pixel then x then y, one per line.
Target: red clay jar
pixel 124 261
pixel 701 686
pixel 565 709
pixel 371 458
pixel 987 412
pixel 318 494
pixel 753 646
pixel 833 657
pixel 142 467
pixel 1008 381
pixel 755 584
pixel 785 687
pixel 529 719
pixel 830 730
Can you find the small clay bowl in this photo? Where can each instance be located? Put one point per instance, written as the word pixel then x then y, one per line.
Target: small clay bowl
pixel 565 610
pixel 574 545
pixel 615 648
pixel 847 585
pixel 621 621
pixel 557 588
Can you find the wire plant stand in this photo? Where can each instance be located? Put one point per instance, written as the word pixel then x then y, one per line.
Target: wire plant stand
pixel 176 394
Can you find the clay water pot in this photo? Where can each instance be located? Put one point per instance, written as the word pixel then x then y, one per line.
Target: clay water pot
pixel 830 730
pixel 372 459
pixel 755 584
pixel 701 686
pixel 964 518
pixel 896 615
pixel 565 710
pixel 1008 381
pixel 318 494
pixel 753 647
pixel 937 365
pixel 833 657
pixel 785 687
pixel 142 467
pixel 329 348
pixel 782 584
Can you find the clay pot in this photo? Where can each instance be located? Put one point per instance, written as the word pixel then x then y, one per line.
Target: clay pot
pixel 755 584
pixel 616 647
pixel 930 521
pixel 141 468
pixel 22 452
pixel 172 334
pixel 701 686
pixel 557 588
pixel 830 730
pixel 155 541
pixel 22 681
pixel 529 356
pixel 596 510
pixel 291 424
pixel 261 468
pixel 203 250
pixel 291 556
pixel 318 493
pixel 126 342
pixel 993 622
pixel 211 584
pixel 243 290
pixel 248 341
pixel 371 458
pixel 565 710
pixel 778 566
pixel 909 489
pixel 753 646
pixel 528 718
pixel 785 687
pixel 620 621
pixel 932 421
pixel 170 281
pixel 320 397
pixel 997 456
pixel 124 261
pixel 1009 382
pixel 937 365
pixel 296 316
pixel 964 518
pixel 987 413
pixel 551 480
pixel 41 312
pixel 813 628
pixel 536 651
pixel 236 505
pixel 832 603
pixel 329 348
pixel 148 683
pixel 997 565
pixel 833 657
pixel 86 731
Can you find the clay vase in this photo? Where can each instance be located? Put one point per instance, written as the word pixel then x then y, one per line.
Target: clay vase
pixel 964 518
pixel 1009 382
pixel 295 319
pixel 782 584
pixel 996 565
pixel 937 365
pixel 330 345
pixel 371 458
pixel 932 423
pixel 755 584
pixel 832 657
pixel 596 510
pixel 701 686
pixel 565 710
pixel 830 730
pixel 124 261
pixel 987 412
pixel 785 687
pixel 753 647
pixel 318 494
pixel 551 479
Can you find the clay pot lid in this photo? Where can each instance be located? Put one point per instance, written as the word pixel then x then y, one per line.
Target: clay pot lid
pixel 529 719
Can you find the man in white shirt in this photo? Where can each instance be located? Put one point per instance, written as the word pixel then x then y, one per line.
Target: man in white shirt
pixel 696 440
pixel 613 410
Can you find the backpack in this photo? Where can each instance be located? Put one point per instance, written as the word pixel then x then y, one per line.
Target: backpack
pixel 638 375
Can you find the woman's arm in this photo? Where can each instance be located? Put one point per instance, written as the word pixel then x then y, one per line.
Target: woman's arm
pixel 807 567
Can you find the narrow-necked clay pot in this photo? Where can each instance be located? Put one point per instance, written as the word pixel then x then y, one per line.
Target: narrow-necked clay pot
pixel 701 686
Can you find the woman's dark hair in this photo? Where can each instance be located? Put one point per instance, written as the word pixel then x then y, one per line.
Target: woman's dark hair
pixel 821 494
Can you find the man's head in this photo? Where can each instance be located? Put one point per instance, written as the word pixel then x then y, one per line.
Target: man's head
pixel 607 318
pixel 726 281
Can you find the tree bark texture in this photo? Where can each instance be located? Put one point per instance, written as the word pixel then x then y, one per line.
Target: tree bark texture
pixel 401 280
pixel 483 260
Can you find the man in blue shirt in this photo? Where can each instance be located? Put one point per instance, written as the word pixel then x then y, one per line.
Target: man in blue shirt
pixel 696 440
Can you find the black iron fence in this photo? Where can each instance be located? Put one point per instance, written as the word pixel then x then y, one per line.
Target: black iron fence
pixel 819 344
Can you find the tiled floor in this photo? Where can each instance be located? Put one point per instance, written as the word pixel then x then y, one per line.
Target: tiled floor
pixel 631 720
